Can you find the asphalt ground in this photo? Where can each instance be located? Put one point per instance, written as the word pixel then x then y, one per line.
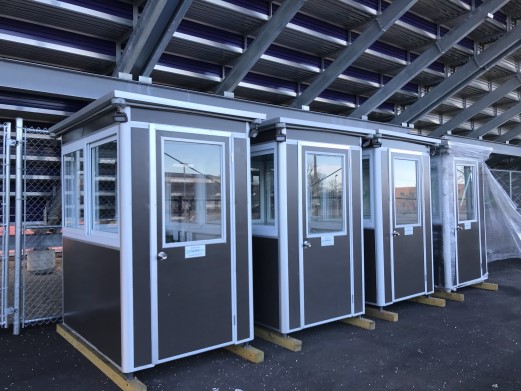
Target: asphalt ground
pixel 474 345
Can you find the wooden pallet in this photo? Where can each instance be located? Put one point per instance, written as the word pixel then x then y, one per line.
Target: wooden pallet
pixel 287 342
pixel 489 286
pixel 100 362
pixel 428 300
pixel 453 296
pixel 247 352
pixel 363 323
pixel 381 314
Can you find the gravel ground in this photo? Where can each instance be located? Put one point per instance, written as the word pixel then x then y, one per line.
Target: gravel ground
pixel 474 345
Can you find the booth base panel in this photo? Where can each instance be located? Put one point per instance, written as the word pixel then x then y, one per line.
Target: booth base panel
pixel 99 361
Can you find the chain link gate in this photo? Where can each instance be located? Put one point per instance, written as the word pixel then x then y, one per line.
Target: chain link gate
pixel 5 221
pixel 42 240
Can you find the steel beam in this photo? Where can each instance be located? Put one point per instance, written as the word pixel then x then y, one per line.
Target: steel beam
pixel 155 28
pixel 469 112
pixel 472 69
pixel 440 47
pixel 264 39
pixel 512 133
pixel 349 54
pixel 499 148
pixel 496 121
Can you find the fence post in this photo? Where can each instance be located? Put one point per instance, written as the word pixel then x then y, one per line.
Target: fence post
pixel 18 226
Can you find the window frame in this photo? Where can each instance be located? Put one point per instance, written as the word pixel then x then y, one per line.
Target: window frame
pixel 419 191
pixel 344 161
pixel 474 190
pixel 368 221
pixel 224 199
pixel 86 233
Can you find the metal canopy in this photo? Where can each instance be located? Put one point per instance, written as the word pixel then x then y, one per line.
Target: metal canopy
pixel 348 55
pixel 156 25
pixel 497 121
pixel 480 105
pixel 199 45
pixel 472 69
pixel 267 35
pixel 509 135
pixel 427 57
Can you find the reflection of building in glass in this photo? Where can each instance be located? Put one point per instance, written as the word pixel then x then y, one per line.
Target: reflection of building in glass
pixel 194 198
pixel 406 202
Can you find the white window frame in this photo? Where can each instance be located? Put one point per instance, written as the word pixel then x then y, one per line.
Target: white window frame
pixel 258 227
pixel 419 191
pixel 223 237
pixel 368 221
pixel 345 169
pixel 86 234
pixel 475 190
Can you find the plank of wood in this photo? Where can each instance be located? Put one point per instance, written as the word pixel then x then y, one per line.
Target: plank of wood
pixel 248 352
pixel 489 286
pixel 290 343
pixel 453 296
pixel 381 314
pixel 100 362
pixel 363 323
pixel 434 301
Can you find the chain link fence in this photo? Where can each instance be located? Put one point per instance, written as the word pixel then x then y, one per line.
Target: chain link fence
pixel 511 182
pixel 42 294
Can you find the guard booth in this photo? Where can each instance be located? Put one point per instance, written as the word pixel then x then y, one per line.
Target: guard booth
pixel 397 217
pixel 458 214
pixel 156 240
pixel 307 224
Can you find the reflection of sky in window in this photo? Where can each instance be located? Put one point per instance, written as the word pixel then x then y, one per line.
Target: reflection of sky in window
pixel 192 158
pixel 404 173
pixel 329 168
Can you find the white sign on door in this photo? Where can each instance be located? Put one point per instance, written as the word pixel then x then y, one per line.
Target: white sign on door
pixel 195 251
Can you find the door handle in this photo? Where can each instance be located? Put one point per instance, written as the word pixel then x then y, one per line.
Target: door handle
pixel 307 244
pixel 396 233
pixel 459 228
pixel 162 256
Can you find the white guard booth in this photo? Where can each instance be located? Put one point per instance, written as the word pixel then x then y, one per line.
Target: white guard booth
pixel 397 217
pixel 156 234
pixel 460 252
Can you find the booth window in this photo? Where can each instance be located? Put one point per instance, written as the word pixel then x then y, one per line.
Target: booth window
pixel 104 157
pixel 366 186
pixel 406 191
pixel 263 189
pixel 325 193
pixel 465 184
pixel 74 201
pixel 193 188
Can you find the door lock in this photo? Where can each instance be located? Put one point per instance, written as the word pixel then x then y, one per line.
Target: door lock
pixel 307 244
pixel 396 233
pixel 162 256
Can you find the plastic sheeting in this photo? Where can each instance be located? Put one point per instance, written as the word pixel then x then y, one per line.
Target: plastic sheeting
pixel 503 221
pixel 444 214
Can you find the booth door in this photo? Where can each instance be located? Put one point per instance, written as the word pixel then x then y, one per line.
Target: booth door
pixel 407 225
pixel 467 228
pixel 194 266
pixel 325 232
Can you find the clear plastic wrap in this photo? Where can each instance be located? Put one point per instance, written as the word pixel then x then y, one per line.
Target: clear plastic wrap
pixel 444 216
pixel 503 221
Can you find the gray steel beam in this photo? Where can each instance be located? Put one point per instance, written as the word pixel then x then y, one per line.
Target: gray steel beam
pixel 469 112
pixel 512 133
pixel 348 55
pixel 466 73
pixel 496 121
pixel 264 39
pixel 440 47
pixel 155 28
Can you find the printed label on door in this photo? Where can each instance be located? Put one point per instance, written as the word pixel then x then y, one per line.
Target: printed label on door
pixel 467 224
pixel 195 251
pixel 327 241
pixel 407 230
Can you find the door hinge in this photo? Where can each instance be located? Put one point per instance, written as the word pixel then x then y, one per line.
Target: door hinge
pixel 234 320
pixel 352 299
